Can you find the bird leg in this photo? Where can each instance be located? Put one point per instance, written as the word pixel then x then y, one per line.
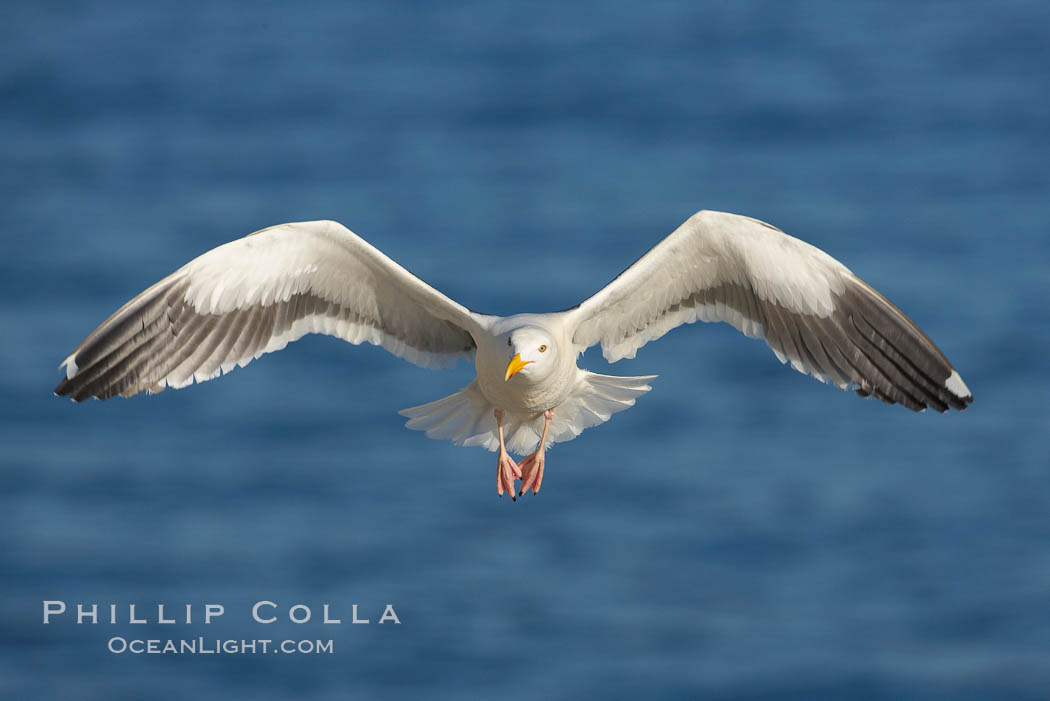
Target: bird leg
pixel 532 466
pixel 506 469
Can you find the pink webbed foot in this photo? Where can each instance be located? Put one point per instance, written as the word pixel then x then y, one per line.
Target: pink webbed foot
pixel 506 469
pixel 532 466
pixel 506 472
pixel 532 473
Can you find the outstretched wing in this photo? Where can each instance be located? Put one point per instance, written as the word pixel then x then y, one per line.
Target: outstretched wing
pixel 258 294
pixel 809 308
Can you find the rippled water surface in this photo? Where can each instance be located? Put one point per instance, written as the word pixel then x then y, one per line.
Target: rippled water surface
pixel 744 532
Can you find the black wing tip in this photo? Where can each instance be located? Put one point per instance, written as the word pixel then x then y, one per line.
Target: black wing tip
pixel 959 395
pixel 69 389
pixel 64 388
pixel 925 379
pixel 941 407
pixel 79 391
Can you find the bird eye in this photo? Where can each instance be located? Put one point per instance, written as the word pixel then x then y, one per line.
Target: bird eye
pixel 543 348
pixel 508 341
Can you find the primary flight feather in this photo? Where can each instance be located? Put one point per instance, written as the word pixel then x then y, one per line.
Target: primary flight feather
pixel 259 293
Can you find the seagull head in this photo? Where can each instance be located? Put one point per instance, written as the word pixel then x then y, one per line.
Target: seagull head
pixel 531 351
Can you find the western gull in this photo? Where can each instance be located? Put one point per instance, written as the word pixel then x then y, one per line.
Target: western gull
pixel 257 294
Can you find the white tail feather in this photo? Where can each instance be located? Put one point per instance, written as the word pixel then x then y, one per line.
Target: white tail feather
pixel 466 417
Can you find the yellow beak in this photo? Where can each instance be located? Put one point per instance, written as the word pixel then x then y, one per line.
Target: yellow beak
pixel 516 364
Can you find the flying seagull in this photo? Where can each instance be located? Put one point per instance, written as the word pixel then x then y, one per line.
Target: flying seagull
pixel 257 294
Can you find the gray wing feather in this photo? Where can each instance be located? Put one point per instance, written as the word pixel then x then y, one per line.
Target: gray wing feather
pixel 810 309
pixel 256 295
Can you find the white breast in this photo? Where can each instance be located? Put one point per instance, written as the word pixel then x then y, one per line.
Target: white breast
pixel 524 393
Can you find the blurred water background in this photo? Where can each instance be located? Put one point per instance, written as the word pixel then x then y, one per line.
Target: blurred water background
pixel 744 532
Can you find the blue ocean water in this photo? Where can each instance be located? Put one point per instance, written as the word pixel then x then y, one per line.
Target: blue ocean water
pixel 744 532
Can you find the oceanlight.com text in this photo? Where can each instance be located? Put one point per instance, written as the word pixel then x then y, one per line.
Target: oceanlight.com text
pixel 215 646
